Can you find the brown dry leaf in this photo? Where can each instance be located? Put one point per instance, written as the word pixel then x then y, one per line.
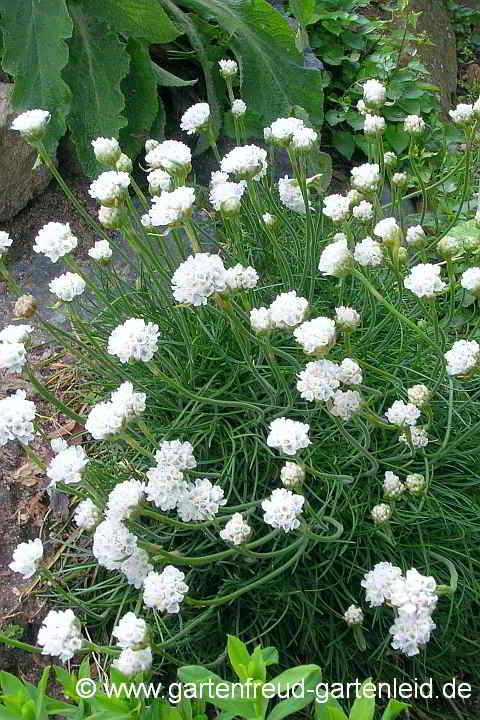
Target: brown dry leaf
pixel 32 510
pixel 66 429
pixel 11 383
pixel 27 474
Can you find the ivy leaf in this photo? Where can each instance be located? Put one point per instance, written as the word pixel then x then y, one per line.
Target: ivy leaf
pixel 139 88
pixel 140 18
pixel 272 74
pixel 35 53
pixel 98 64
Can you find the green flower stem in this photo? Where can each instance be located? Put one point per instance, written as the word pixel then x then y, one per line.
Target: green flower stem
pixel 213 143
pixel 420 181
pixel 391 308
pixel 134 444
pixel 138 192
pixel 301 544
pixel 192 236
pixel 50 397
pixel 10 281
pixel 19 645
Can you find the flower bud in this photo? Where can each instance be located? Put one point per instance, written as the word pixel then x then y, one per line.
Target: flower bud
pixel 124 164
pixel 448 246
pixel 25 307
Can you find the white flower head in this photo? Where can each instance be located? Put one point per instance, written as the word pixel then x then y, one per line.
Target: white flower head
pixel 401 414
pixel 374 93
pixel 463 114
pixel 199 277
pixel 123 500
pixel 172 207
pixel 449 246
pixel 5 242
pixel 68 466
pixel 392 486
pixel 336 259
pixel 130 662
pixel 136 567
pixel 288 310
pixel 368 253
pixel 236 531
pixel 260 320
pixel 13 357
pixel 425 281
pixel 366 178
pixel 336 207
pixel 353 616
pixel 101 251
pixel 239 108
pixel 112 544
pixel 171 155
pixel 165 591
pixel 373 124
pixel 67 286
pixel 151 144
pixel 16 416
pixel 269 219
pixel 202 501
pixel 361 107
pixel 415 236
pixel 217 178
pixel 110 188
pixel 378 583
pixel 124 164
pixel 470 280
pixel 245 162
pixel 463 358
pixel 381 513
pixel 288 436
pixel 350 372
pixel 27 557
pixel 304 139
pixel 177 454
pixel 107 150
pixel 292 475
pixel 283 509
pixel 60 634
pixel 159 181
pixel 390 160
pixel 55 240
pixel 347 318
pixel 228 68
pixel 388 231
pixel 166 487
pixel 32 124
pixel 416 437
pixel 15 333
pixel 411 632
pixel 291 195
pixel 316 336
pixel 226 197
pixel 363 211
pixel 134 340
pixel 107 418
pixel 131 632
pixel 282 130
pixel 110 217
pixel 414 125
pixel 87 515
pixel 419 395
pixel 400 179
pixel 241 278
pixel 345 404
pixel 319 381
pixel 196 118
pixel 415 483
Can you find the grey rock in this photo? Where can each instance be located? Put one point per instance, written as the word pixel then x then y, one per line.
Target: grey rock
pixel 19 182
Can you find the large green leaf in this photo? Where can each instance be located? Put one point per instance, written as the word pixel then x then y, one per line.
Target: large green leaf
pixel 98 64
pixel 140 18
pixel 35 53
pixel 139 88
pixel 272 74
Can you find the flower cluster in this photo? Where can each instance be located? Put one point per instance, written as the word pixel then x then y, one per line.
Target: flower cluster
pixel 204 274
pixel 55 240
pixel 134 340
pixel 288 436
pixel 16 418
pixel 108 418
pixel 283 509
pixel 68 465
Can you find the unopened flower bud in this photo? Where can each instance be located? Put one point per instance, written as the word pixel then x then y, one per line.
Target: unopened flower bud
pixel 400 180
pixel 124 164
pixel 25 307
pixel 415 483
pixel 448 246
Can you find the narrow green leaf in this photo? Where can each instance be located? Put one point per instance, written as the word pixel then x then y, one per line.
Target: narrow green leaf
pixel 41 690
pixel 139 89
pixel 138 18
pixel 35 53
pixel 164 78
pixel 98 64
